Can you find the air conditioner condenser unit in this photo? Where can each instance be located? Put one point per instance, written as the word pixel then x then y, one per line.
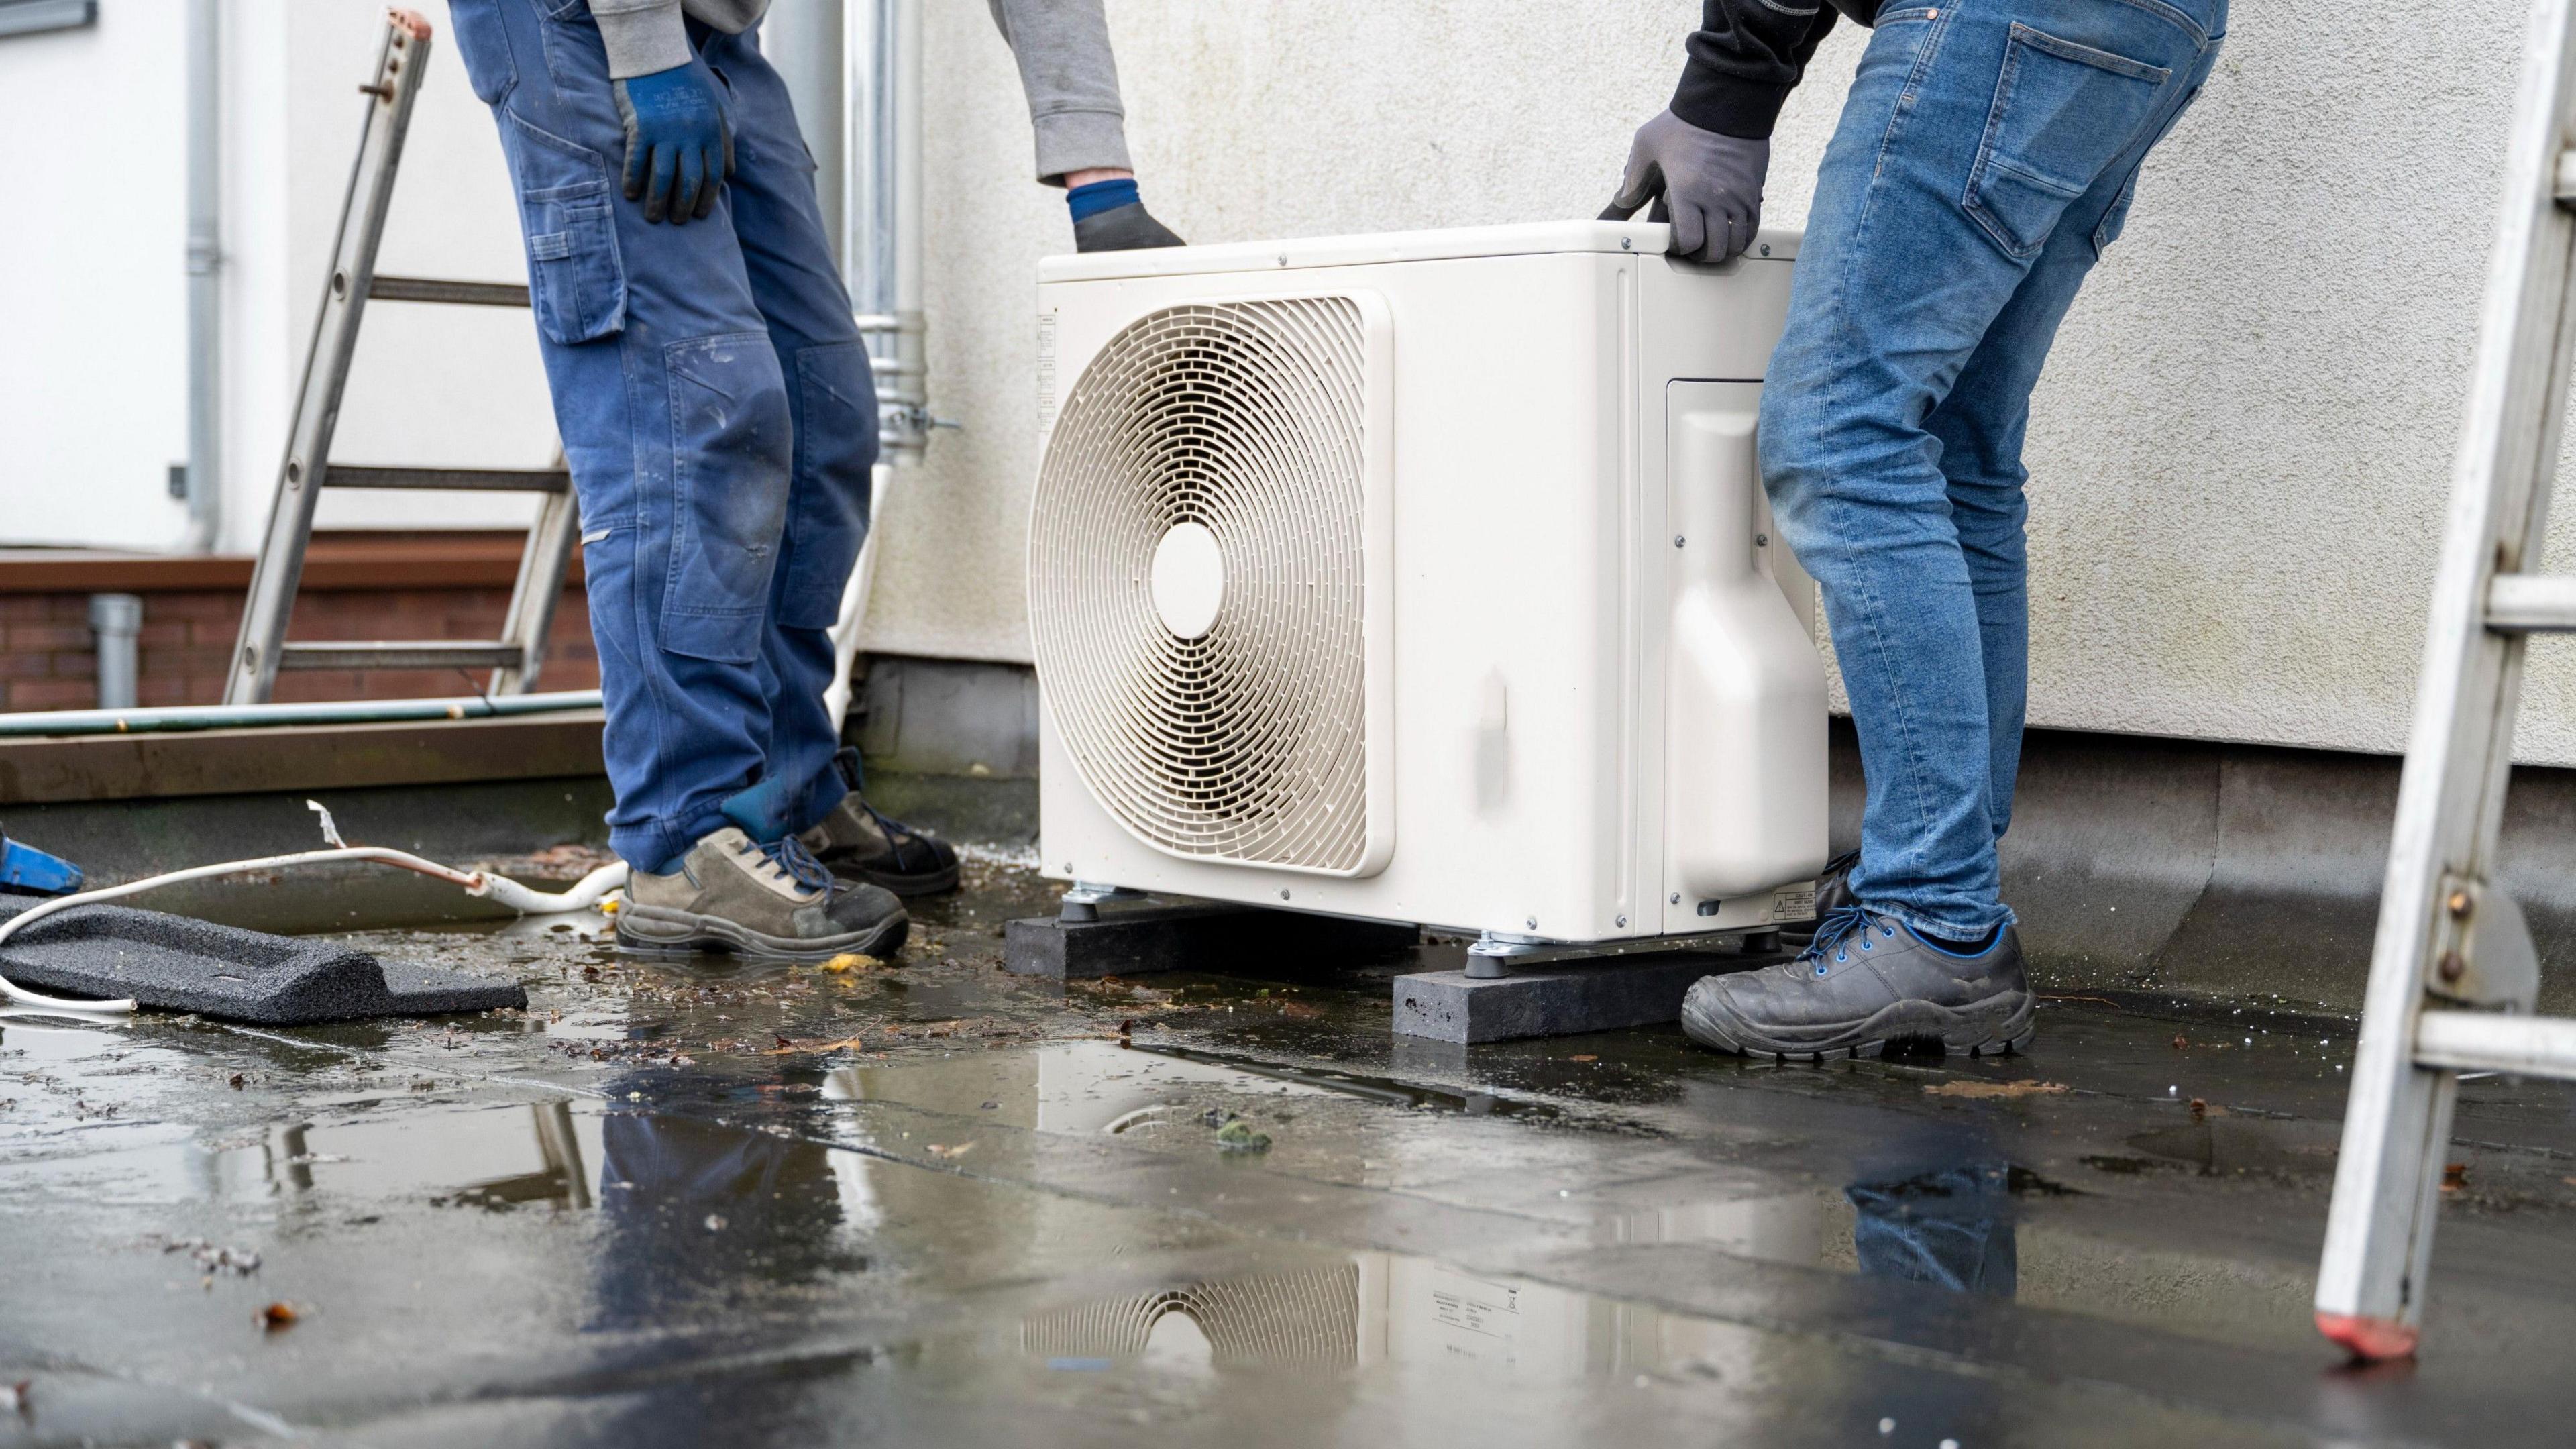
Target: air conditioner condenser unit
pixel 1424 578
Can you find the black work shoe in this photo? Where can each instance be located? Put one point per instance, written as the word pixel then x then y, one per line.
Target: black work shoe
pixel 855 842
pixel 1867 980
pixel 1833 893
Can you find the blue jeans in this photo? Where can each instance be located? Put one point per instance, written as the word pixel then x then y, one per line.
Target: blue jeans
pixel 719 418
pixel 1986 155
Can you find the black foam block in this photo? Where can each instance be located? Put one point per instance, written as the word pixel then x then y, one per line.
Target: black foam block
pixel 223 971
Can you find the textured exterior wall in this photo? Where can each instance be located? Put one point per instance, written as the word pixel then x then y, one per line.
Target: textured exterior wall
pixel 2239 453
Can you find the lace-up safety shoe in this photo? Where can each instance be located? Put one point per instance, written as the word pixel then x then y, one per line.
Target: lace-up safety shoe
pixel 731 894
pixel 858 843
pixel 1867 980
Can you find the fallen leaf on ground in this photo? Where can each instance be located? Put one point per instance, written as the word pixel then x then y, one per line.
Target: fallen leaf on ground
pixel 851 961
pixel 276 1316
pixel 2455 1176
pixel 1987 1090
pixel 1239 1136
pixel 816 1046
pixel 952 1153
pixel 1300 1009
pixel 1583 1057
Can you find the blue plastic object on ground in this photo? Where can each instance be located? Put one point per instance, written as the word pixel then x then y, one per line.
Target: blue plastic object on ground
pixel 24 867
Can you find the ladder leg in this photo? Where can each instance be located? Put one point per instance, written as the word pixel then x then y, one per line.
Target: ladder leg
pixel 542 565
pixel 399 69
pixel 2396 1131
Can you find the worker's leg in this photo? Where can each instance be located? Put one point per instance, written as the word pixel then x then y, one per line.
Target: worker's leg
pixel 807 781
pixel 675 420
pixel 1980 426
pixel 1970 130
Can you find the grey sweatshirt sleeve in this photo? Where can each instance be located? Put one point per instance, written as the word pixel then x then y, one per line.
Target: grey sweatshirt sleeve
pixel 1072 83
pixel 642 36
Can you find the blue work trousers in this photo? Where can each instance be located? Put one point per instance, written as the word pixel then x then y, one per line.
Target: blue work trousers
pixel 718 415
pixel 1987 154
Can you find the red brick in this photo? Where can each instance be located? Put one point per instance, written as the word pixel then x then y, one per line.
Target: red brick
pixel 75 666
pixel 160 635
pixel 192 604
pixel 31 694
pixel 48 636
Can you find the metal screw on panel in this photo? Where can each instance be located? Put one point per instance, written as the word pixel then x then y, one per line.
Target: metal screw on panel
pixel 2453 968
pixel 1621 922
pixel 1766 249
pixel 1283 893
pixel 1626 245
pixel 1761 540
pixel 1532 923
pixel 1677 898
pixel 1677 540
pixel 2459 903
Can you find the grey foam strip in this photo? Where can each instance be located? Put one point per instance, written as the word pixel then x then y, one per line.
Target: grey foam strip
pixel 182 964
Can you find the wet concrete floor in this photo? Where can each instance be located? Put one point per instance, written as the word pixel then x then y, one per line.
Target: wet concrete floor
pixel 697 1203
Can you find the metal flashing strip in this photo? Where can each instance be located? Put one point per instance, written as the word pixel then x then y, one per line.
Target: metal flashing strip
pixel 27 17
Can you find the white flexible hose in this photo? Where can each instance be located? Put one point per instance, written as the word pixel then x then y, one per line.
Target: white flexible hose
pixel 585 893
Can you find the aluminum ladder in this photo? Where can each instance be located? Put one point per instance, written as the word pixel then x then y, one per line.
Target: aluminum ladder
pixel 263 650
pixel 2453 973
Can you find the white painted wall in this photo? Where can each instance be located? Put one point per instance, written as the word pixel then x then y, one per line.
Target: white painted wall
pixel 2238 455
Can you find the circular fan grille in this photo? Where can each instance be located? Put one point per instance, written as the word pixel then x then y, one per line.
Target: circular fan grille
pixel 1303 1317
pixel 1247 741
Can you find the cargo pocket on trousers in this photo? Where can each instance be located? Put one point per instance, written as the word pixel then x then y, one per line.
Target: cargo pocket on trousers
pixel 729 472
pixel 2063 113
pixel 827 514
pixel 576 278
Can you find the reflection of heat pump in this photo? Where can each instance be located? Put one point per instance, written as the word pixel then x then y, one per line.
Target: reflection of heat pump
pixel 1424 578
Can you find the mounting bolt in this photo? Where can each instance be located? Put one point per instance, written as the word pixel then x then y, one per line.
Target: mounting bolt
pixel 1621 922
pixel 2452 967
pixel 1761 540
pixel 1531 923
pixel 1283 893
pixel 1677 898
pixel 1766 246
pixel 1677 540
pixel 2459 903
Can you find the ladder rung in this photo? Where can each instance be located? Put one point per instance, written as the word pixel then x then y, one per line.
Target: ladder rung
pixel 434 289
pixel 2486 1041
pixel 399 654
pixel 2532 603
pixel 469 480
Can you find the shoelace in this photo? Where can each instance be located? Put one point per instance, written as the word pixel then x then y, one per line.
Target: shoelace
pixel 1839 927
pixel 899 836
pixel 789 857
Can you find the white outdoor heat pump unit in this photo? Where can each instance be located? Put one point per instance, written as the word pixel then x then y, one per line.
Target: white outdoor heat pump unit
pixel 1424 578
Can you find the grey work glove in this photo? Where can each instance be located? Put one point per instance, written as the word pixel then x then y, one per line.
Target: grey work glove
pixel 1707 184
pixel 1122 228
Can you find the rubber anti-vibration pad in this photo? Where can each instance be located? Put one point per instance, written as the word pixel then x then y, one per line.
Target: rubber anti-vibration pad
pixel 180 964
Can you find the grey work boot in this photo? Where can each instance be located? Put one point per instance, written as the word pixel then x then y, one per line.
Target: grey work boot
pixel 1867 980
pixel 729 894
pixel 856 842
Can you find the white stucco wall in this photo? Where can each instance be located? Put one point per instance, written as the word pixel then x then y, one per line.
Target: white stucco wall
pixel 2239 452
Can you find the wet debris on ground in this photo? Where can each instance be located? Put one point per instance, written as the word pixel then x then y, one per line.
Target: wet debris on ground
pixel 1238 1135
pixel 1995 1091
pixel 210 1258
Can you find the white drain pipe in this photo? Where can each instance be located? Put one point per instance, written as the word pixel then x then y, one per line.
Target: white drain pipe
pixel 881 227
pixel 205 277
pixel 115 621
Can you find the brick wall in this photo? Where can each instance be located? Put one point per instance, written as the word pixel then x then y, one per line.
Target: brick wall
pixel 48 657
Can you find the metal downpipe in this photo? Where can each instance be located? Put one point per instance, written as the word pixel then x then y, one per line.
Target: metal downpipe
pixel 205 277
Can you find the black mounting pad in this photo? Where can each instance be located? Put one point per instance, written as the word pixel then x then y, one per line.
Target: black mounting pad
pixel 1133 939
pixel 181 964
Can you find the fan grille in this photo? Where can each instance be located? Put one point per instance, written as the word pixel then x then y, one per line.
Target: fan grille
pixel 1247 742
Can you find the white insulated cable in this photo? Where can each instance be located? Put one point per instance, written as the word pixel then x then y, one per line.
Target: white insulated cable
pixel 584 894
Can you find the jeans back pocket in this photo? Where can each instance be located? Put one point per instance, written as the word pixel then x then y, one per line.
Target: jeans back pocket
pixel 2063 113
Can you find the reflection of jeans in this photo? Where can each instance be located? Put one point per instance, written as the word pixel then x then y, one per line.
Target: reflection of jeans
pixel 1987 153
pixel 662 1177
pixel 718 415
pixel 1953 1227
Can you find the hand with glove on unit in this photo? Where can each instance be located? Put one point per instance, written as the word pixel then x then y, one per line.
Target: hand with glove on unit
pixel 679 142
pixel 1110 216
pixel 1706 183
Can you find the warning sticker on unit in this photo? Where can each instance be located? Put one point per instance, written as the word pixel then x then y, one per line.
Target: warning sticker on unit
pixel 1794 903
pixel 1046 375
pixel 1461 1302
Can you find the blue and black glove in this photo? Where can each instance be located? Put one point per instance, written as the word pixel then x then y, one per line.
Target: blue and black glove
pixel 679 146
